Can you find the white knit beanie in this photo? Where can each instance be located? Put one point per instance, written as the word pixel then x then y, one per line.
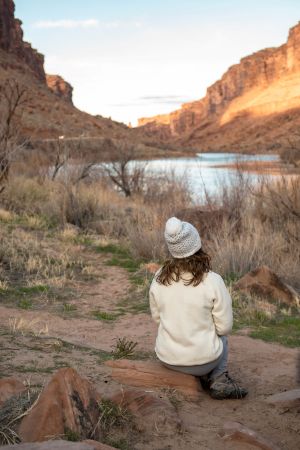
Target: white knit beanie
pixel 182 238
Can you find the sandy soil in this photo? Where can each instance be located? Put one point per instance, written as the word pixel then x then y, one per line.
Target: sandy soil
pixel 263 368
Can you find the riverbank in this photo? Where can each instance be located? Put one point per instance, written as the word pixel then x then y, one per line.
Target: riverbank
pixel 261 167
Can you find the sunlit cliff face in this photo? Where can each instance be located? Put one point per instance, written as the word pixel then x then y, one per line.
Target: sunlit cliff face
pixel 267 82
pixel 279 96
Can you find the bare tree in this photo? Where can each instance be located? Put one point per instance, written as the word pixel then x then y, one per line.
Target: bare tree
pixel 126 174
pixel 12 96
pixel 61 156
pixel 69 155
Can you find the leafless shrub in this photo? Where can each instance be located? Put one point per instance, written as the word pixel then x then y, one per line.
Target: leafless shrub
pixel 278 203
pixel 12 97
pixel 61 156
pixel 268 232
pixel 145 235
pixel 127 175
pixel 167 191
pixel 69 164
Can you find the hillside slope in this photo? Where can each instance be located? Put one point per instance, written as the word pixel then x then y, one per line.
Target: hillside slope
pixel 49 111
pixel 254 106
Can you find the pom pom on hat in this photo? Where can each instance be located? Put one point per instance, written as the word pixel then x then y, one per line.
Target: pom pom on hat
pixel 182 238
pixel 173 226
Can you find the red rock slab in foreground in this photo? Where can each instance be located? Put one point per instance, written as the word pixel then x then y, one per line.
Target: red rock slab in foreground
pixel 238 432
pixel 68 402
pixel 10 387
pixel 59 445
pixel 152 374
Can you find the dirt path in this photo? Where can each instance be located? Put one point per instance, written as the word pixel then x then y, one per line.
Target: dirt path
pixel 263 368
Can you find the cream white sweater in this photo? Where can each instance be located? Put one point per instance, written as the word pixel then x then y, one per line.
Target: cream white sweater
pixel 190 319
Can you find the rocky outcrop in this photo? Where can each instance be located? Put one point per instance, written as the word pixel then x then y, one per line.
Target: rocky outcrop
pixel 11 40
pixel 152 374
pixel 262 84
pixel 68 404
pixel 60 87
pixel 265 283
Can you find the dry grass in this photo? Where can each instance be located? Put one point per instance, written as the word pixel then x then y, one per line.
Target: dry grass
pixel 45 225
pixel 28 257
pixel 6 216
pixel 27 327
pixel 253 227
pixel 11 413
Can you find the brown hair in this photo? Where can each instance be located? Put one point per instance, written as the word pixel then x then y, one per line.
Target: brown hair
pixel 197 265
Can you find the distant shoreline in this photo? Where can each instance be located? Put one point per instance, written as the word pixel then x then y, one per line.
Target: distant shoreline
pixel 260 167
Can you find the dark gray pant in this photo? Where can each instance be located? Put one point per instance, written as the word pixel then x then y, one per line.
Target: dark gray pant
pixel 214 368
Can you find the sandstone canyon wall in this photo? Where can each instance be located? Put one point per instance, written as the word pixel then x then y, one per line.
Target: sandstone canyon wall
pixel 48 111
pixel 60 87
pixel 11 40
pixel 263 85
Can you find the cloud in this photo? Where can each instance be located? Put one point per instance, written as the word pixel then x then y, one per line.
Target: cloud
pixel 67 23
pixel 88 23
pixel 155 99
pixel 171 99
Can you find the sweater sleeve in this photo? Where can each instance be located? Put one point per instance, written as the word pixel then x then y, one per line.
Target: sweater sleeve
pixel 153 305
pixel 222 308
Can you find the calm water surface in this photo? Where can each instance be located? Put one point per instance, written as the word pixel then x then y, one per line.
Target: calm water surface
pixel 200 172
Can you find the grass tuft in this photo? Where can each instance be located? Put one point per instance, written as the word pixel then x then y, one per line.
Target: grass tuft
pixel 102 315
pixel 124 348
pixel 71 435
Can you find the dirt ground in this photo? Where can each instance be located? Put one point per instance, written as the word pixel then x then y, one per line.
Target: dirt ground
pixel 36 343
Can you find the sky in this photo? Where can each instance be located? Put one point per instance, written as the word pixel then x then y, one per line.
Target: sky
pixel 128 59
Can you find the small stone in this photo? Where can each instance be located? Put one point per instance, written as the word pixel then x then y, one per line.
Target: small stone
pixel 238 432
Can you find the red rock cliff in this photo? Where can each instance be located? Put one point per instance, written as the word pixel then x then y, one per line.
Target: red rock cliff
pixel 60 87
pixel 265 82
pixel 11 40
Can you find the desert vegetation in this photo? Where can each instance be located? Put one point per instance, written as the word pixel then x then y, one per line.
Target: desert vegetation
pixel 45 220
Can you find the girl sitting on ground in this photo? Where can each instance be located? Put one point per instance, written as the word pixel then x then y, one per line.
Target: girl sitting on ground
pixel 192 308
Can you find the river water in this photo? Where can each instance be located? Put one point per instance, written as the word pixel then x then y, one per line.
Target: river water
pixel 201 174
